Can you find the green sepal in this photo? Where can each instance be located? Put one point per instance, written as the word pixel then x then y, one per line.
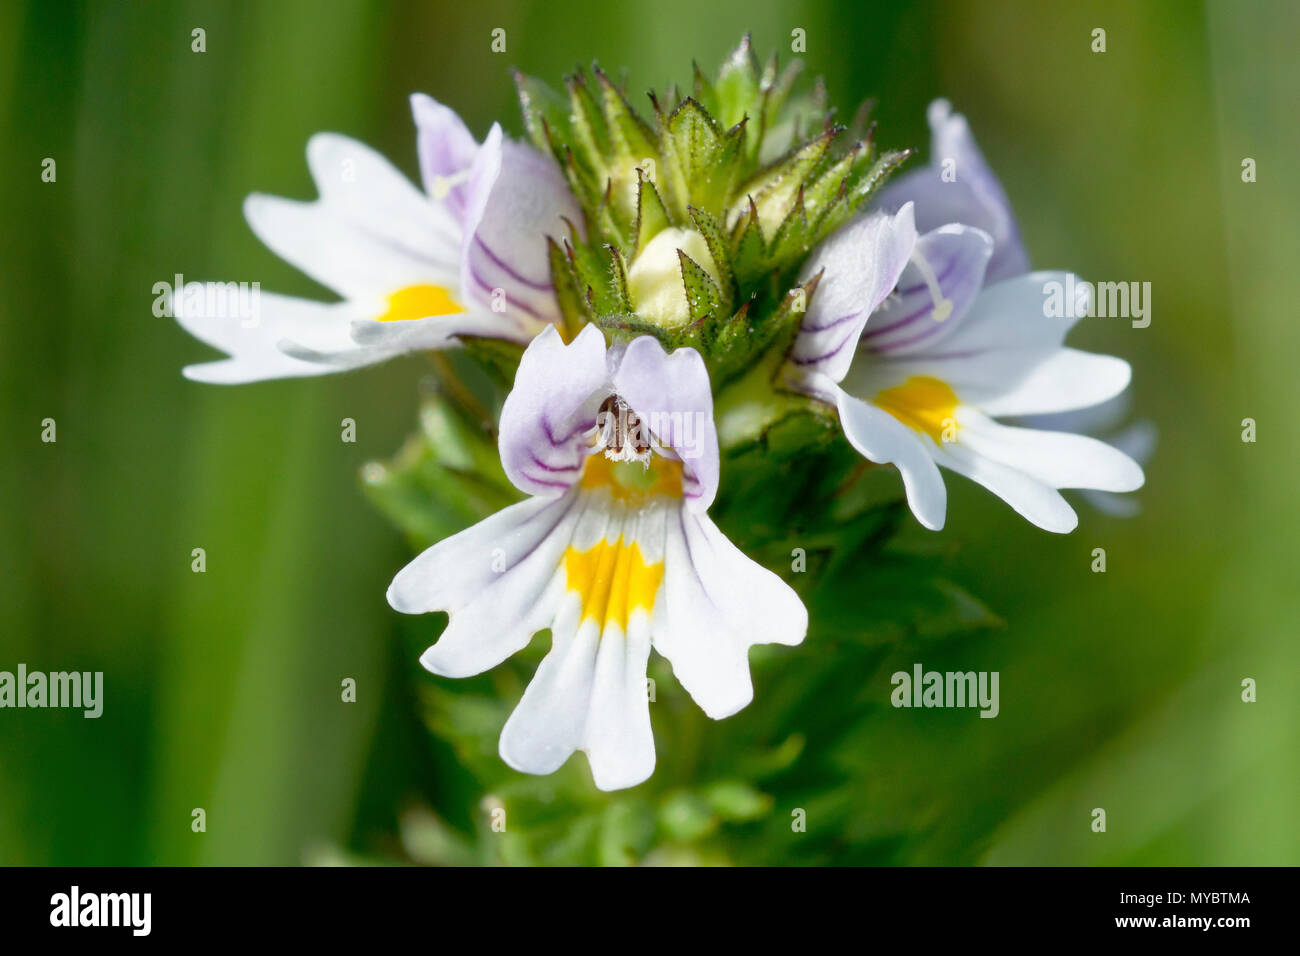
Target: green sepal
pixel 618 289
pixel 569 293
pixel 652 217
pixel 711 230
pixel 544 110
pixel 739 87
pixel 632 137
pixel 702 293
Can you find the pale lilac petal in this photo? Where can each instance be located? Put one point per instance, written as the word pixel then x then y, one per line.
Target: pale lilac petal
pixel 446 149
pixel 862 263
pixel 551 409
pixel 907 321
pixel 974 198
pixel 515 198
pixel 671 394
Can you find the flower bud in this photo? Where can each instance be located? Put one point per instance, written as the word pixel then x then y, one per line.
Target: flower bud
pixel 654 279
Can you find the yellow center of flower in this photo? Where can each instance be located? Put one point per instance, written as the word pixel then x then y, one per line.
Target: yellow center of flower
pixel 419 302
pixel 925 404
pixel 612 580
pixel 631 481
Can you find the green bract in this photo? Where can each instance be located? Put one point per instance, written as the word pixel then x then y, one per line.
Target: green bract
pixel 698 218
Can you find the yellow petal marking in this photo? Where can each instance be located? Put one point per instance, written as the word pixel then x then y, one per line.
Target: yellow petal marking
pixel 925 404
pixel 612 580
pixel 631 481
pixel 419 302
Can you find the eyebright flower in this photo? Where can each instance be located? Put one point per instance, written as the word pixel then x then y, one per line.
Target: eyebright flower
pixel 466 258
pixel 919 377
pixel 613 551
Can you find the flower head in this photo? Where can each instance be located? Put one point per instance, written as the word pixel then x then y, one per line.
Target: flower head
pixel 465 258
pixel 918 377
pixel 699 213
pixel 613 551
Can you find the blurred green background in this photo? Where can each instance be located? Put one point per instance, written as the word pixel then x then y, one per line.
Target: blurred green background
pixel 1118 690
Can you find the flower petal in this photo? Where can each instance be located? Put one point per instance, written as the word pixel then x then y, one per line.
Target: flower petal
pixel 1057 459
pixel 550 721
pixel 671 393
pixel 974 198
pixel 590 691
pixel 907 322
pixel 862 263
pixel 438 331
pixel 998 344
pixel 203 310
pixel 550 409
pixel 496 580
pixel 1068 379
pixel 1035 501
pixel 714 605
pixel 882 438
pixel 446 149
pixel 364 188
pixel 364 238
pixel 617 738
pixel 514 199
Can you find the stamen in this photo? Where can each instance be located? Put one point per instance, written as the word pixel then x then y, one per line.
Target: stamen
pixel 942 306
pixel 620 433
pixel 443 185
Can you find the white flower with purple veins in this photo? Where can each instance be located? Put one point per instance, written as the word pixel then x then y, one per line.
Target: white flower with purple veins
pixel 414 270
pixel 919 376
pixel 613 551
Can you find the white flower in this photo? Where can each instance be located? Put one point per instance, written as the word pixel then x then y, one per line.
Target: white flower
pixel 921 384
pixel 468 256
pixel 613 551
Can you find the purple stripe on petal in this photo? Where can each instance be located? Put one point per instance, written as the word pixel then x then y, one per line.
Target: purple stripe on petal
pixel 510 270
pixel 514 303
pixel 545 482
pixel 555 469
pixel 813 327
